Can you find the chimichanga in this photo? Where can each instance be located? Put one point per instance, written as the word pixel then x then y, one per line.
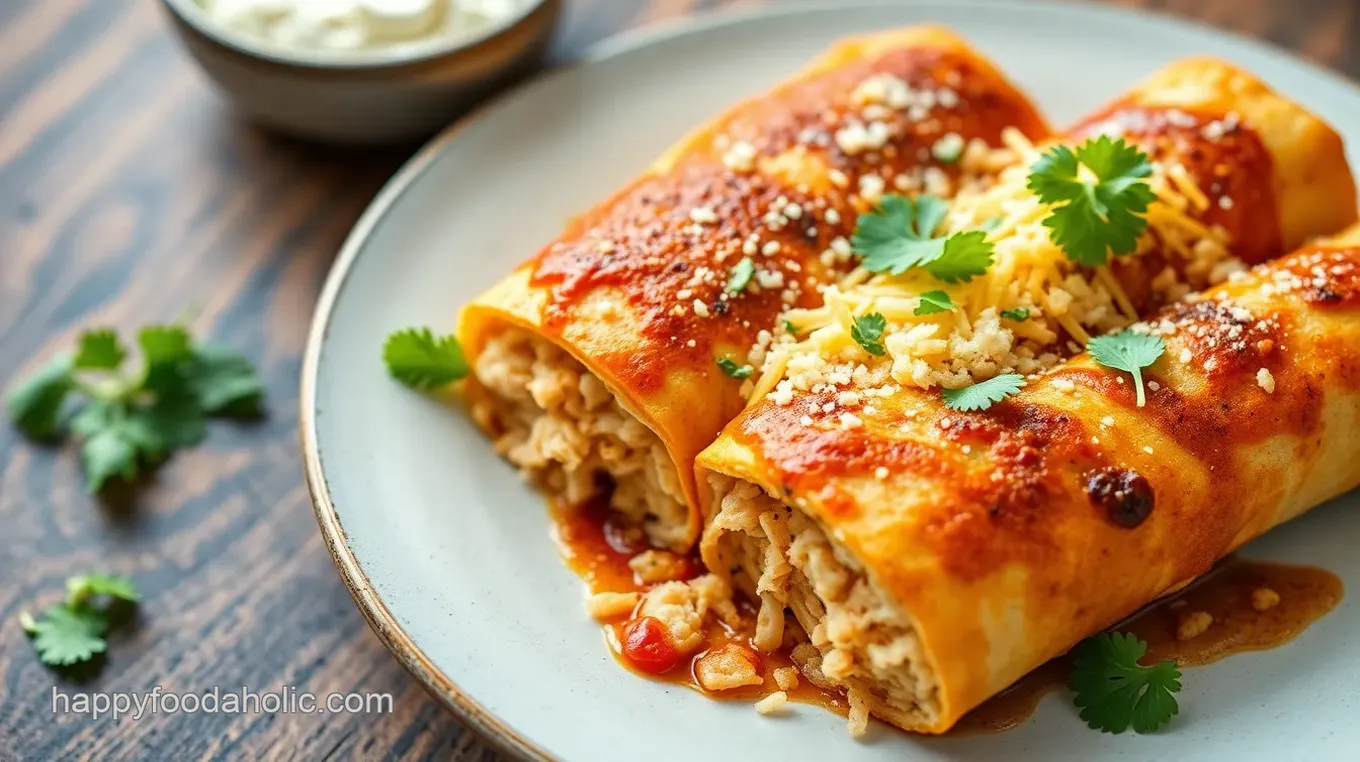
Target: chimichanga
pixel 610 359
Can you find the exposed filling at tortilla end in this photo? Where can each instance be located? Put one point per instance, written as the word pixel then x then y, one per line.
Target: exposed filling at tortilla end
pixel 865 644
pixel 562 427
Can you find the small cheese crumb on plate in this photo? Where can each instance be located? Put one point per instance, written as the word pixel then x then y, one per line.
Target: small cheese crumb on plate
pixel 772 703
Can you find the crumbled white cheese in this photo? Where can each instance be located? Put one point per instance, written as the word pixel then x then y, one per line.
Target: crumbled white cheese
pixel 772 703
pixel 703 215
pixel 740 157
pixel 1265 380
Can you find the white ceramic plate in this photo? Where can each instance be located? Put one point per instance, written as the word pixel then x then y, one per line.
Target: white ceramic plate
pixel 448 554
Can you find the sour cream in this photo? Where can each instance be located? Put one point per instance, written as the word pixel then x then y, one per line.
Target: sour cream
pixel 340 25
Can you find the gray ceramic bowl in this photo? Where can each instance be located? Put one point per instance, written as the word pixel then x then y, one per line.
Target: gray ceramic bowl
pixel 365 97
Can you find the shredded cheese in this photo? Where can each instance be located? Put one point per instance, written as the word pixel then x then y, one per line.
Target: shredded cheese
pixel 973 342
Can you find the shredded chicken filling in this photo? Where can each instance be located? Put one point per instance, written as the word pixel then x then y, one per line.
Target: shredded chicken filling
pixel 566 431
pixel 865 644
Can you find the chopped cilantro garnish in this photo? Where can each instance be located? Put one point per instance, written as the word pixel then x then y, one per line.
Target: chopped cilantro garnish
pixel 867 330
pixel 899 234
pixel 1090 219
pixel 740 276
pixel 790 328
pixel 983 394
pixel 1130 352
pixel 733 370
pixel 1114 691
pixel 421 360
pixel 1019 314
pixel 933 302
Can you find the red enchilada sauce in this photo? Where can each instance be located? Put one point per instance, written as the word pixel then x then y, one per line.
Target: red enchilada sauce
pixel 598 549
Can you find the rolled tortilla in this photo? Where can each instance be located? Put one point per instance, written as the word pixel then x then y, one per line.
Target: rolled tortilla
pixel 935 556
pixel 595 364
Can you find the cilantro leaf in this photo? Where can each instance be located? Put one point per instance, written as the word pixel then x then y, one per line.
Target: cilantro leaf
pixel 35 402
pixel 172 422
pixel 421 360
pixel 225 383
pixel 1114 691
pixel 165 350
pixel 733 370
pixel 1128 351
pixel 66 635
pixel 965 256
pixel 983 394
pixel 867 330
pixel 790 328
pixel 118 436
pixel 108 453
pixel 933 302
pixel 1019 314
pixel 100 349
pixel 81 588
pixel 165 344
pixel 1092 219
pixel 74 631
pixel 740 276
pixel 899 234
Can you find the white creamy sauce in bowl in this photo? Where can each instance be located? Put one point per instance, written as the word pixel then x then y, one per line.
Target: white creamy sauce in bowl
pixel 343 25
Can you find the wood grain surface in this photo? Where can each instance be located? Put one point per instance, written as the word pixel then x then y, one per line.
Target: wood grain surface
pixel 129 190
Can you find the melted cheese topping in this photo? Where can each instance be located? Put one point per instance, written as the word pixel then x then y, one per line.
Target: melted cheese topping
pixel 1067 304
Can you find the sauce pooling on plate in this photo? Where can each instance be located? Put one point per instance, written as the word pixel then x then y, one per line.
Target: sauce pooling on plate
pixel 1239 606
pixel 598 547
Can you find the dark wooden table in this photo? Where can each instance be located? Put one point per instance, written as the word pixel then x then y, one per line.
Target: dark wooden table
pixel 128 191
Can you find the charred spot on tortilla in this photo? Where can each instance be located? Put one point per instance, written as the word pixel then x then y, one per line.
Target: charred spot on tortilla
pixel 1121 494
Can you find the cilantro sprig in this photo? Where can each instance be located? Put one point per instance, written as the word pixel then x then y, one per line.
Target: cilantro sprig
pixel 421 360
pixel 75 630
pixel 1113 690
pixel 933 302
pixel 867 331
pixel 133 418
pixel 1092 218
pixel 899 234
pixel 983 394
pixel 1128 351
